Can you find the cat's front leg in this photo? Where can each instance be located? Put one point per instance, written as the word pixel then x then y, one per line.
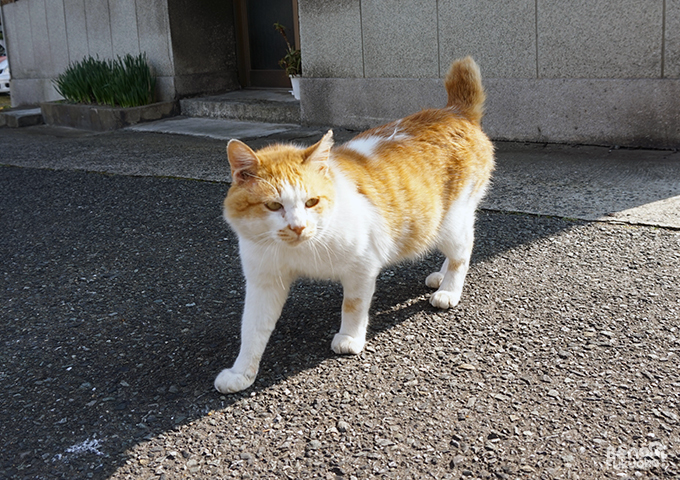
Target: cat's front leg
pixel 264 302
pixel 357 295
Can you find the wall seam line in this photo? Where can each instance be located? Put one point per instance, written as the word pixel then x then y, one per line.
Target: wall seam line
pixel 439 53
pixel 361 26
pixel 49 43
pixel 87 35
pixel 663 38
pixel 113 50
pixel 68 47
pixel 536 35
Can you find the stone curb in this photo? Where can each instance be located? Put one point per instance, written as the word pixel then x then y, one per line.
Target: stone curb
pixel 104 118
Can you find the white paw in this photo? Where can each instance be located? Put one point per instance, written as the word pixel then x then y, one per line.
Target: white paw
pixel 433 280
pixel 230 382
pixel 444 299
pixel 344 344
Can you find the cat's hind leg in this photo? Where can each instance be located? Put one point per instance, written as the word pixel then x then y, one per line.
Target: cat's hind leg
pixel 357 294
pixel 456 239
pixel 434 279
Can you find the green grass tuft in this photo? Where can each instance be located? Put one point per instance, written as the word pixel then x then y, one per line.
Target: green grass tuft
pixel 124 82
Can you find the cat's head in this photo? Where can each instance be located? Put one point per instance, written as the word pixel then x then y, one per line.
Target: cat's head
pixel 281 193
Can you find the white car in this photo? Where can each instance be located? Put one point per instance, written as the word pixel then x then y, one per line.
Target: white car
pixel 4 75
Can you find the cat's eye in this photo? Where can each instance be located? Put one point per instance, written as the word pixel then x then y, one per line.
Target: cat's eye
pixel 273 206
pixel 312 202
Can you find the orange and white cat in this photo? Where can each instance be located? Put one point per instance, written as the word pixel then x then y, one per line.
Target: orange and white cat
pixel 344 212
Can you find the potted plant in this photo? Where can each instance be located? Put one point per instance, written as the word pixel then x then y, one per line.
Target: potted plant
pixel 291 62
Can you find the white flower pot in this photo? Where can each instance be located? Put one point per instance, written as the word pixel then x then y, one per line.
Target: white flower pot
pixel 295 82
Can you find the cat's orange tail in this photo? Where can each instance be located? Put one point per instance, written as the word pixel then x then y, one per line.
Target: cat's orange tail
pixel 464 88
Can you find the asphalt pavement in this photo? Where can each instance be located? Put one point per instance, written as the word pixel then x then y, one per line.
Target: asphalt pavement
pixel 122 292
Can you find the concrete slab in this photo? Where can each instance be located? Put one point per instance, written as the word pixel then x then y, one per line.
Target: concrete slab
pixel 154 35
pixel 17 31
pixel 410 34
pixel 99 29
pixel 74 12
pixel 599 39
pixel 330 30
pixel 42 56
pixel 24 117
pixel 672 40
pixel 641 112
pixel 58 40
pixel 274 95
pixel 360 103
pixel 501 36
pixel 589 183
pixel 104 117
pixel 124 36
pixel 271 106
pixel 221 129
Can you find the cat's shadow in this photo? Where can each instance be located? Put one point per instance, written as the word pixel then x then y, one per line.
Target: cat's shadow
pixel 311 316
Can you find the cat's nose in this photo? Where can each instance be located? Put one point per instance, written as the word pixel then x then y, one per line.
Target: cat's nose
pixel 297 230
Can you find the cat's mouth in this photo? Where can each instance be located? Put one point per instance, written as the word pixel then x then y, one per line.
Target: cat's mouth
pixel 295 236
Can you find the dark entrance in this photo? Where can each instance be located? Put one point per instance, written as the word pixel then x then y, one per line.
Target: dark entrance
pixel 260 45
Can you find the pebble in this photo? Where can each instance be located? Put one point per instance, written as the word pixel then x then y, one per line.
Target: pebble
pixel 314 445
pixel 467 366
pixel 343 426
pixel 383 442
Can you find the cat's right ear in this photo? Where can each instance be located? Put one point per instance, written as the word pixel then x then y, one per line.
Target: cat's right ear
pixel 242 160
pixel 319 153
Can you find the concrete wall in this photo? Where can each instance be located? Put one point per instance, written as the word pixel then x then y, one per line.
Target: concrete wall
pixel 44 36
pixel 586 71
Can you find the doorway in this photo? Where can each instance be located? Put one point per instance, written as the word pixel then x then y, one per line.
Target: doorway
pixel 260 46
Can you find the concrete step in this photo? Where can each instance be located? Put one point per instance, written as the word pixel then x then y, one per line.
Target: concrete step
pixel 21 117
pixel 270 106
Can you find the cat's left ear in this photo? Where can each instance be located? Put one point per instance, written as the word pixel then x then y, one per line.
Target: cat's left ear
pixel 242 160
pixel 319 153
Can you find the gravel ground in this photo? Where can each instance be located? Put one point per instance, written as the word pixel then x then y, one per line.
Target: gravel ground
pixel 121 299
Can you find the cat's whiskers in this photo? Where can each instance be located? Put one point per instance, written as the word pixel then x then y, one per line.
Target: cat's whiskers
pixel 317 256
pixel 263 240
pixel 277 248
pixel 320 241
